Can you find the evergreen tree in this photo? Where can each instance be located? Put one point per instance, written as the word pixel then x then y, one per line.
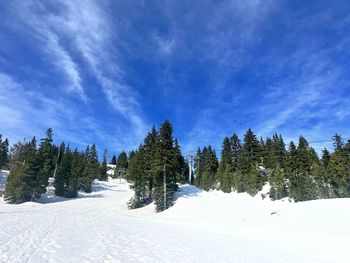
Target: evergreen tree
pixel 278 188
pixel 21 184
pixel 45 162
pixel 77 168
pixel 113 160
pixel 122 161
pixel 302 186
pixel 103 167
pixel 225 165
pixel 165 182
pixel 91 169
pixel 136 174
pixel 338 169
pixel 326 157
pixel 180 164
pixel 252 181
pixel 63 172
pixel 4 152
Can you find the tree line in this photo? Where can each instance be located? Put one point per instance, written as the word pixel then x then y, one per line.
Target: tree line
pixel 296 172
pixel 31 167
pixel 155 168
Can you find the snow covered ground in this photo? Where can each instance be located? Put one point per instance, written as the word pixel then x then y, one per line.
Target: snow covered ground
pixel 200 227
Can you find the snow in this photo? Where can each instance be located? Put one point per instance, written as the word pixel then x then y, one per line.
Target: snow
pixel 200 227
pixel 3 178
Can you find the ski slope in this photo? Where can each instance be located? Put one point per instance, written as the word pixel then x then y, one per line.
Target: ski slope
pixel 200 227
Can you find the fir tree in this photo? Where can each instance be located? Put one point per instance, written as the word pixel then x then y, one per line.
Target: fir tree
pixel 77 168
pixel 225 165
pixel 249 160
pixel 4 152
pixel 45 161
pixel 103 167
pixel 136 174
pixel 21 184
pixel 113 160
pixel 165 182
pixel 63 172
pixel 277 182
pixel 122 161
pixel 302 186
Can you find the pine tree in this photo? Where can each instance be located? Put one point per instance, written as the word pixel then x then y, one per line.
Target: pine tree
pixel 165 182
pixel 76 171
pixel 113 160
pixel 180 164
pixel 4 152
pixel 249 159
pixel 338 169
pixel 91 169
pixel 225 166
pixel 63 173
pixel 45 162
pixel 103 167
pixel 136 174
pixel 277 182
pixel 122 161
pixel 301 185
pixel 22 182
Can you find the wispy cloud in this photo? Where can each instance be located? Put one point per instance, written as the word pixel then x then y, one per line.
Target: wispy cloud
pixel 34 16
pixel 88 25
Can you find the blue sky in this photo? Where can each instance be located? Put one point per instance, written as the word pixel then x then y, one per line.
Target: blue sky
pixel 105 71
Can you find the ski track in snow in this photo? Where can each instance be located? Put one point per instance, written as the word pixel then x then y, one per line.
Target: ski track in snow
pixel 200 227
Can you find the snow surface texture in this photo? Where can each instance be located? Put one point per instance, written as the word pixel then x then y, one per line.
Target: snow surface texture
pixel 200 227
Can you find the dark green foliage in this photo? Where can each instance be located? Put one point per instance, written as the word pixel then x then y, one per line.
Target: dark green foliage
pixel 22 183
pixel 206 168
pixel 155 168
pixel 45 161
pixel 17 190
pixel 91 169
pixel 165 181
pixel 122 161
pixel 251 178
pixel 302 187
pixel 277 182
pixel 4 152
pixel 103 167
pixel 113 160
pixel 63 172
pixel 77 168
pixel 136 174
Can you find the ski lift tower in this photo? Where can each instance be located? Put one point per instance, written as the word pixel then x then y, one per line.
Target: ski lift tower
pixel 190 159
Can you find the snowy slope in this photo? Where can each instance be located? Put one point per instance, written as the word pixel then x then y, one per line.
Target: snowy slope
pixel 200 227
